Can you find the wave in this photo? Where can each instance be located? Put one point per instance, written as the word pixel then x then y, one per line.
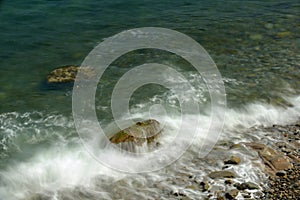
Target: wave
pixel 65 164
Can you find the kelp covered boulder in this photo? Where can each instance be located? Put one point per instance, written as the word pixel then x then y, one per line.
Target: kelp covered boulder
pixel 143 132
pixel 66 74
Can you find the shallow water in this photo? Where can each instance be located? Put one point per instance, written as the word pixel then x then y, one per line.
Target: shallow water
pixel 254 44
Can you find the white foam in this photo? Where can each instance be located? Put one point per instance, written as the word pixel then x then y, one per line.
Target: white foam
pixel 262 114
pixel 66 167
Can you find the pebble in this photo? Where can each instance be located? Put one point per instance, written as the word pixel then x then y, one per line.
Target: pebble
pixel 234 160
pixel 232 194
pixel 228 182
pixel 246 185
pixel 281 173
pixel 204 186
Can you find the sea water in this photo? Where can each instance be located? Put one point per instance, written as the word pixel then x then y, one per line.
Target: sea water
pixel 255 46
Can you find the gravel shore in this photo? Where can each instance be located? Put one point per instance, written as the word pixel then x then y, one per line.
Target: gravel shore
pixel 286 184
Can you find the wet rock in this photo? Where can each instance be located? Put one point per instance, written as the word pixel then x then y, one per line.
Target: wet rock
pixel 63 74
pixel 235 146
pixel 221 174
pixel 295 159
pixel 247 196
pixel 246 185
pixel 178 193
pixel 139 133
pixel 273 160
pixel 280 173
pixel 219 197
pixel 192 187
pixel 232 194
pixel 204 186
pixel 66 74
pixel 281 144
pixel 228 182
pixel 234 160
pixel 281 163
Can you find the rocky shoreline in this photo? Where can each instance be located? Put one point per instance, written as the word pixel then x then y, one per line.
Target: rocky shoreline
pixel 286 184
pixel 277 155
pixel 272 159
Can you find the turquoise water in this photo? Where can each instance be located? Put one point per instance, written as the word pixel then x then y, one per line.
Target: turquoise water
pixel 256 46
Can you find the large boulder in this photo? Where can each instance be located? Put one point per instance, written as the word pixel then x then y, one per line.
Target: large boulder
pixel 142 132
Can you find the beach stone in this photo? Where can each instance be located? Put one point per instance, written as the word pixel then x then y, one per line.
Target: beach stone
pixel 178 193
pixel 204 186
pixel 192 187
pixel 250 186
pixel 281 144
pixel 246 185
pixel 294 158
pixel 228 182
pixel 221 174
pixel 220 197
pixel 66 74
pixel 247 196
pixel 234 160
pixel 273 160
pixel 281 163
pixel 280 173
pixel 139 133
pixel 232 194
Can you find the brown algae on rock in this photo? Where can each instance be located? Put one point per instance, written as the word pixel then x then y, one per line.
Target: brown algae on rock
pixel 68 73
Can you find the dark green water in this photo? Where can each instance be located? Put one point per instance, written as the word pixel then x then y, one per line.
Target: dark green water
pixel 37 36
pixel 256 46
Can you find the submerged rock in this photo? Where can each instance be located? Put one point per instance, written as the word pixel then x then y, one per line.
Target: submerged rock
pixel 62 74
pixel 283 34
pixel 233 160
pixel 256 37
pixel 204 186
pixel 66 74
pixel 221 174
pixel 144 132
pixel 232 194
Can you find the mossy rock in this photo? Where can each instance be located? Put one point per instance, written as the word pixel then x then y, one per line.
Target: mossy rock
pixel 140 133
pixel 67 74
